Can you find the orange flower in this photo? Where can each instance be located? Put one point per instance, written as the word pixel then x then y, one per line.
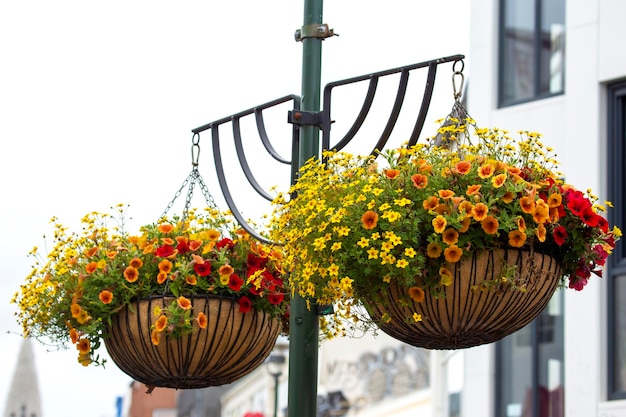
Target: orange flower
pixel 473 189
pixel 184 303
pixel 445 194
pixel 466 207
pixel 106 296
pixel 167 241
pixel 554 215
pixel 452 253
pixel 191 279
pixel 419 180
pixel 73 335
pixel 430 203
pixel 542 212
pixel 498 181
pixel 433 250
pixel 423 165
pixel 369 219
pixel 541 232
pixel 450 236
pixel 75 310
pixel 131 274
pixel 465 224
pixel 91 252
pixel 439 223
pixel 195 244
pixel 555 200
pixel 527 204
pixel 202 320
pixel 83 346
pixel 91 267
pixel 213 235
pixel 490 225
pixel 486 171
pixel 155 337
pixel 416 294
pixel 463 167
pixel 165 266
pixel 226 270
pixel 521 224
pixel 479 212
pixel 161 277
pixel 136 263
pixel 165 228
pixel 161 323
pixel 517 238
pixel 391 173
pixel 508 197
pixel 442 209
pixel 446 276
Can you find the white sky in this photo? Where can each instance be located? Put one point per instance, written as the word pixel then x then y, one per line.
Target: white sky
pixel 97 101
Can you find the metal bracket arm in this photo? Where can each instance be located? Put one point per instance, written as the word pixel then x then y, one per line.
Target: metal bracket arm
pixel 306 118
pixel 314 31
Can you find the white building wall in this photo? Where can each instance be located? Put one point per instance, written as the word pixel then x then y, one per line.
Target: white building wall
pixel 574 125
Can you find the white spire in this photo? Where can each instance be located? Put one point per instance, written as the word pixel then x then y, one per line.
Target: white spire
pixel 24 399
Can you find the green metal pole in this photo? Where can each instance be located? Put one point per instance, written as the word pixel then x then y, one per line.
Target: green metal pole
pixel 304 324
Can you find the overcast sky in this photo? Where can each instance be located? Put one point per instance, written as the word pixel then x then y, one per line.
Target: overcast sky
pixel 97 101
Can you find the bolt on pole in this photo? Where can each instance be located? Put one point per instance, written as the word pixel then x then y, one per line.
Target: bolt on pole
pixel 304 324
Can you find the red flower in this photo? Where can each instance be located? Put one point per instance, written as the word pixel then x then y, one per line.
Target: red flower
pixel 589 217
pixel 234 282
pixel 245 304
pixel 183 245
pixel 275 299
pixel 203 269
pixel 165 251
pixel 577 203
pixel 225 243
pixel 254 261
pixel 577 283
pixel 560 235
pixel 603 224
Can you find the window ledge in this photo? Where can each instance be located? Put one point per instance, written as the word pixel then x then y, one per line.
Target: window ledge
pixel 612 409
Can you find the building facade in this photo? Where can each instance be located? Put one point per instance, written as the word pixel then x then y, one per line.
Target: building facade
pixel 556 67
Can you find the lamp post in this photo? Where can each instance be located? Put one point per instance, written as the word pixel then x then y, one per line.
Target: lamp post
pixel 275 364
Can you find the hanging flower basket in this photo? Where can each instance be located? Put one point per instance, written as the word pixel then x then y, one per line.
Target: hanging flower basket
pixel 479 308
pixel 104 284
pixel 225 346
pixel 443 242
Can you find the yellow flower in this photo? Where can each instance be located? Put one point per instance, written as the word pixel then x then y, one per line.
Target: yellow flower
pixel 417 317
pixel 439 224
pixel 402 263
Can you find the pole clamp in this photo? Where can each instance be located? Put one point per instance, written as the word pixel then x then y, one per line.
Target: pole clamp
pixel 306 118
pixel 316 30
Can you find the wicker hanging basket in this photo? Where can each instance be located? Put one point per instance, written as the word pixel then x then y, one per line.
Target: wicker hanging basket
pixel 468 316
pixel 232 344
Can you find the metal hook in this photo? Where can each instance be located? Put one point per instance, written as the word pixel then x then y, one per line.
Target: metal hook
pixel 458 73
pixel 195 150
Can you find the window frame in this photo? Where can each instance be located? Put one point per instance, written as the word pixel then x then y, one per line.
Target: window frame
pixel 615 174
pixel 535 341
pixel 536 59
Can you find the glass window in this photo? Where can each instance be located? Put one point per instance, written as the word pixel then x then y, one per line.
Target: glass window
pixel 529 367
pixel 532 49
pixel 616 156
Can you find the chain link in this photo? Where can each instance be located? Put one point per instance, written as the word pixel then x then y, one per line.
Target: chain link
pixel 190 182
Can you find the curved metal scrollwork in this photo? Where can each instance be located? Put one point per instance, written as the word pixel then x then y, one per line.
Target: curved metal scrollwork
pixel 323 121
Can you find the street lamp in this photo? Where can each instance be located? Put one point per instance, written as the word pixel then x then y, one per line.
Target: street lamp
pixel 275 364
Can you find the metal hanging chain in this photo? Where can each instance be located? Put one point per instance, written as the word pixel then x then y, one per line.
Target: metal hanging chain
pixel 458 117
pixel 190 182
